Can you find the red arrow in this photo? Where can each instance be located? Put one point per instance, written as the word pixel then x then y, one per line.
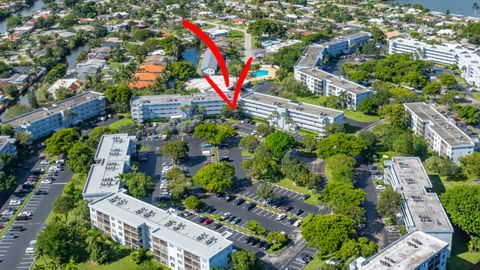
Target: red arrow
pixel 223 67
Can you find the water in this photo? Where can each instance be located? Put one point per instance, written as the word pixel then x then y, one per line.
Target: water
pixel 191 55
pixel 38 5
pixel 260 73
pixel 72 57
pixel 463 7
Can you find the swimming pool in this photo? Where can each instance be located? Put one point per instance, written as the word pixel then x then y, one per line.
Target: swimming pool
pixel 260 73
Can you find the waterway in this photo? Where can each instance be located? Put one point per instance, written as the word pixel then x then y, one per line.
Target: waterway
pixel 191 55
pixel 462 7
pixel 37 6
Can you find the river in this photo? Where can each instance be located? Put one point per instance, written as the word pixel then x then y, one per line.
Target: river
pixel 463 7
pixel 38 5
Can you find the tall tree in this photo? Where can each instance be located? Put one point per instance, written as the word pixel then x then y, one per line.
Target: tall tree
pixel 61 141
pixel 138 184
pixel 215 177
pixel 174 149
pixel 340 143
pixel 389 203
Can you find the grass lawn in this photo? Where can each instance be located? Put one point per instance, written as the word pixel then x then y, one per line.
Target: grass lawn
pixel 461 81
pixel 360 116
pixel 476 95
pixel 315 100
pixel 287 183
pixel 121 122
pixel 235 34
pixel 314 264
pixel 122 264
pixel 306 132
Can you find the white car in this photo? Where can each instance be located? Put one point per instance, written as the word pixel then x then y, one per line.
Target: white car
pixel 47 181
pixel 25 213
pixel 15 202
pixel 30 250
pixel 7 212
pixel 331 262
pixel 281 216
pixel 33 243
pixel 380 187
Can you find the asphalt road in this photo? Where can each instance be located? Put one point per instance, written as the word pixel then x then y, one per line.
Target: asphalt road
pixel 12 252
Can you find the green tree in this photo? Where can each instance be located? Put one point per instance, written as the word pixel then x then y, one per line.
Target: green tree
pixel 462 203
pixel 206 131
pixel 138 184
pixel 261 165
pixel 432 88
pixel 99 247
pixel 340 143
pixel 279 142
pixel 142 34
pixel 63 205
pixel 345 199
pixel 327 232
pixel 310 142
pixel 174 149
pixel 80 158
pixel 250 142
pixel 192 202
pixel 216 177
pixel 277 239
pixel 61 141
pixel 119 97
pixel 469 114
pixel 389 203
pixel 334 128
pixel 393 114
pixel 245 260
pixel 470 164
pixel 368 106
pixel 179 184
pixel 349 249
pixel 472 33
pixel 447 80
pixel 7 130
pixel 183 71
pixel 255 227
pixel 95 135
pixel 444 168
pixel 367 248
pixel 57 72
pixel 224 131
pixel 138 256
pixel 341 168
pixel 265 191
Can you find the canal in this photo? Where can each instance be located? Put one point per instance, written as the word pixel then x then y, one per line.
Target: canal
pixel 37 6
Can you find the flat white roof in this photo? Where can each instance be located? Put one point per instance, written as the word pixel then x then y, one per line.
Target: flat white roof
pixel 113 157
pixel 406 253
pixel 425 211
pixel 167 226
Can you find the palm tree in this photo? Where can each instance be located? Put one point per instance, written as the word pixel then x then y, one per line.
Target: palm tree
pixel 475 8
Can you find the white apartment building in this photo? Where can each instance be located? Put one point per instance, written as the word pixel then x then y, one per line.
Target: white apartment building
pixel 7 145
pixel 422 210
pixel 71 111
pixel 174 241
pixel 414 251
pixel 443 136
pixel 467 60
pixel 146 108
pixel 307 70
pixel 283 113
pixel 290 115
pixel 111 159
pixel 327 84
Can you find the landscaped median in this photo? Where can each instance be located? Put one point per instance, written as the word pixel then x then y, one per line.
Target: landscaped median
pixel 22 206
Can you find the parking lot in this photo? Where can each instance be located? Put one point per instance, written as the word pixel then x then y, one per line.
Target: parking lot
pixel 13 248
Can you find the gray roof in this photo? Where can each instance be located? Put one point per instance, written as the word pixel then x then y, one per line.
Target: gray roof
pixel 167 226
pixel 408 252
pixel 209 61
pixel 180 99
pixel 440 124
pixel 425 211
pixel 291 105
pixel 310 56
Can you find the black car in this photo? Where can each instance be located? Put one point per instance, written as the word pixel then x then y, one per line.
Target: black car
pixel 291 221
pixel 248 239
pixel 254 241
pixel 217 226
pixel 22 217
pixel 229 197
pixel 200 220
pixel 298 212
pixel 17 228
pixel 249 206
pixel 231 218
pixel 41 192
pixel 305 196
pixel 239 201
pixel 223 158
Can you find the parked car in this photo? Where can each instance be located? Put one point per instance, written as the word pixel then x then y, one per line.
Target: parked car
pixel 239 201
pixel 25 213
pixel 47 181
pixel 22 217
pixel 207 221
pixel 14 202
pixel 41 192
pixel 285 208
pixel 9 236
pixel 229 197
pixel 280 217
pixel 200 219
pixel 33 243
pixel 225 216
pixel 298 212
pixel 223 158
pixel 249 206
pixel 17 228
pixel 217 226
pixel 29 250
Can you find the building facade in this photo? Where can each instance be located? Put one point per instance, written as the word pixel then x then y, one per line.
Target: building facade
pixel 421 209
pixel 290 115
pixel 112 158
pixel 307 70
pixel 414 251
pixel 467 60
pixel 325 84
pixel 442 135
pixel 66 113
pixel 283 113
pixel 145 108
